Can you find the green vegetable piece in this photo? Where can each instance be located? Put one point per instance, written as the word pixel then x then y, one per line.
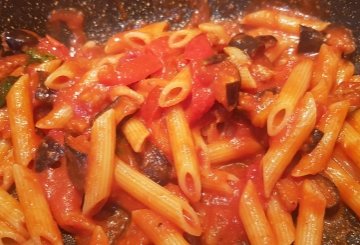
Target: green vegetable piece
pixel 5 86
pixel 37 57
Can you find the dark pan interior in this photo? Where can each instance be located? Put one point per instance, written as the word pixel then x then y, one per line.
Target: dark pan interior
pixel 105 17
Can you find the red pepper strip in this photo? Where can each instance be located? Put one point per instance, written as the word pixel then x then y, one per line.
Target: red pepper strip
pixel 202 96
pixel 54 47
pixel 64 200
pixel 198 48
pixel 150 109
pixel 133 67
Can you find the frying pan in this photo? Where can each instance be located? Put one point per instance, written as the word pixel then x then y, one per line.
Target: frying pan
pixel 106 17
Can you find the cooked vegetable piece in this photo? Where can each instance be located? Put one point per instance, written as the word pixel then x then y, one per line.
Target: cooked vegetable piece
pixel 114 220
pixel 17 39
pixel 155 165
pixel 45 95
pixel 310 40
pixel 313 140
pixel 232 93
pixel 215 59
pixel 5 86
pixel 76 164
pixel 250 45
pixel 38 57
pixel 48 154
pixel 268 40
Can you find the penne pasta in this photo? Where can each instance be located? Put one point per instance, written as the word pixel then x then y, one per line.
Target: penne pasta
pixel 345 71
pixel 278 156
pixel 121 90
pixel 310 220
pixel 49 66
pixel 281 222
pixel 136 133
pixel 354 120
pixel 157 198
pixel 183 150
pixel 179 39
pixel 38 218
pixel 62 76
pixel 11 213
pixel 136 38
pixel 222 152
pixel 330 124
pixel 101 163
pixel 177 89
pixel 348 186
pixel 158 229
pixel 349 139
pixel 278 20
pixel 21 121
pixel 216 31
pixel 325 72
pixel 253 217
pixel 56 118
pixel 289 96
pixel 8 235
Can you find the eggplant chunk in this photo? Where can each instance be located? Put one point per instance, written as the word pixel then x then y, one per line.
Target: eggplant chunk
pixel 215 59
pixel 76 164
pixel 311 143
pixel 310 40
pixel 232 93
pixel 45 95
pixel 17 39
pixel 48 154
pixel 114 221
pixel 268 40
pixel 248 44
pixel 155 165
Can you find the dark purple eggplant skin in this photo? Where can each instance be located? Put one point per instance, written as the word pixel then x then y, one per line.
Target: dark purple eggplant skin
pixel 215 59
pixel 114 221
pixel 45 95
pixel 16 39
pixel 250 45
pixel 155 165
pixel 268 40
pixel 76 163
pixel 310 40
pixel 48 154
pixel 314 138
pixel 232 93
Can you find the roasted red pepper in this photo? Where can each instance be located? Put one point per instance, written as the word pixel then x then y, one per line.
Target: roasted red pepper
pixel 198 48
pixel 133 67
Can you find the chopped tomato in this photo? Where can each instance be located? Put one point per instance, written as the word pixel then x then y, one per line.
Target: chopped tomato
pixel 52 46
pixel 171 58
pixel 198 48
pixel 64 200
pixel 202 96
pixel 202 99
pixel 150 109
pixel 133 67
